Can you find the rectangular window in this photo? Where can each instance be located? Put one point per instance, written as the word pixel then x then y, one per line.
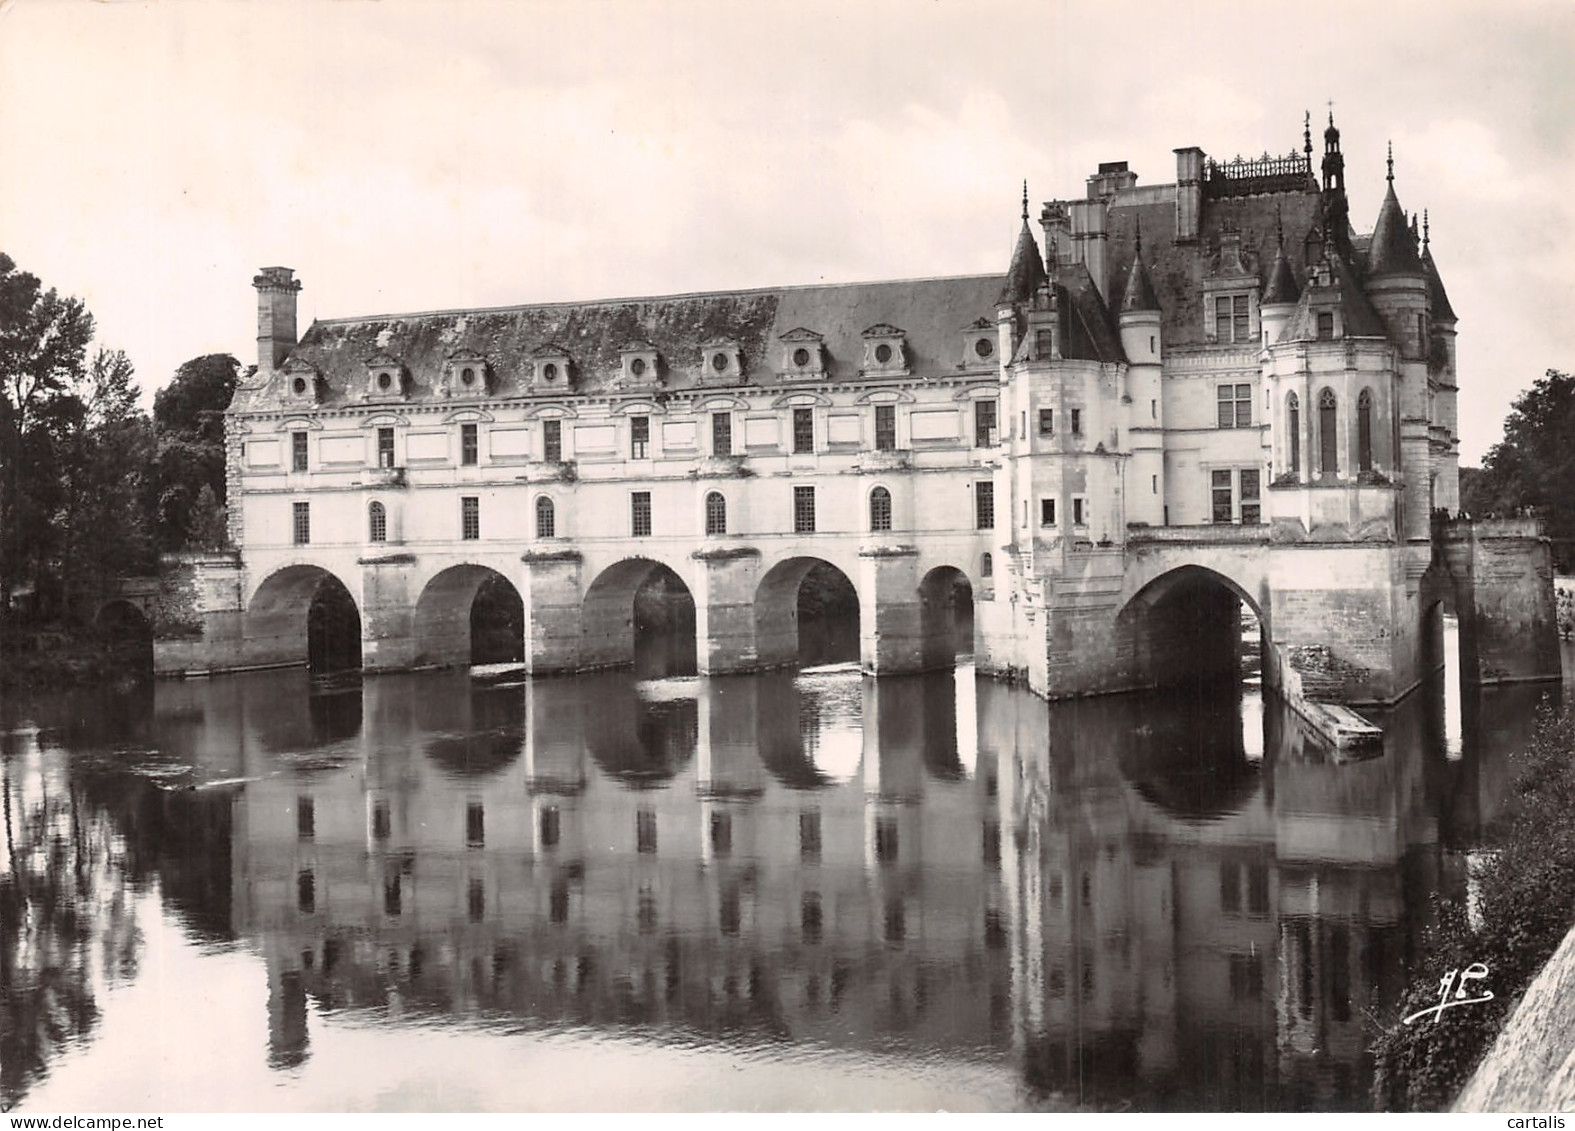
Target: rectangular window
pixel 1046 512
pixel 639 437
pixel 803 430
pixel 984 505
pixel 645 831
pixel 1326 325
pixel 887 844
pixel 298 451
pixel 1250 511
pixel 385 447
pixel 551 827
pixel 1047 422
pixel 1219 484
pixel 1077 422
pixel 984 424
pixel 885 428
pixel 803 510
pixel 305 818
pixel 552 441
pixel 1079 510
pixel 809 836
pixel 470 517
pixel 640 514
pixel 475 825
pixel 1044 344
pixel 721 833
pixel 1235 406
pixel 1230 318
pixel 468 446
pixel 303 523
pixel 382 824
pixel 721 433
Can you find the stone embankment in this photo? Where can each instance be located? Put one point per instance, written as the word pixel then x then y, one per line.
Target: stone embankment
pixel 1531 1067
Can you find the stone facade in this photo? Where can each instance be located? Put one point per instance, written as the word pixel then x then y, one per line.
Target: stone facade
pixel 1189 396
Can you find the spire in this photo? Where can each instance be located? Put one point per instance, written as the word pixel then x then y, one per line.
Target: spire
pixel 1282 286
pixel 1027 271
pixel 1392 250
pixel 1438 298
pixel 1333 159
pixel 1307 135
pixel 1424 235
pixel 1390 161
pixel 1139 295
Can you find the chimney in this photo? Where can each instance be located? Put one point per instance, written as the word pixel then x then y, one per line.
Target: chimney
pixel 1113 177
pixel 1090 240
pixel 1189 192
pixel 276 291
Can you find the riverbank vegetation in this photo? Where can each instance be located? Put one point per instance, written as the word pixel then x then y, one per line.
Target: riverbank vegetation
pixel 1522 906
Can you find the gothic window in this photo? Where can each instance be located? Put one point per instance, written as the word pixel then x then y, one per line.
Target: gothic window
pixel 377 522
pixel 1328 448
pixel 715 513
pixel 1293 426
pixel 1364 430
pixel 880 509
pixel 546 518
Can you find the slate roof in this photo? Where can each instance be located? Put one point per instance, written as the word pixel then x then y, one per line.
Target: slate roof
pixel 1358 319
pixel 932 312
pixel 1139 294
pixel 1438 298
pixel 1282 285
pixel 1393 248
pixel 1027 271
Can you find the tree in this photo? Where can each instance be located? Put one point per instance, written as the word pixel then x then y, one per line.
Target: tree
pixel 1532 467
pixel 43 346
pixel 188 416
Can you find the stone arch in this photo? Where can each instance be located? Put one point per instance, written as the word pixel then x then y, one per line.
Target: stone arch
pixel 303 614
pixel 643 743
pixel 639 612
pixel 783 605
pixel 1184 626
pixel 946 616
pixel 447 630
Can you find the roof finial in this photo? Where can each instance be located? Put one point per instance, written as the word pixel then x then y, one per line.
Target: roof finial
pixel 1307 133
pixel 1025 200
pixel 1331 111
pixel 1391 177
pixel 1138 242
pixel 1424 231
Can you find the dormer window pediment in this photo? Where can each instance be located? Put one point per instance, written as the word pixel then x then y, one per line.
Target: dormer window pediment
pixel 386 378
pixel 978 345
pixel 721 362
pixel 885 351
pixel 640 362
pixel 303 384
pixel 551 367
pixel 465 374
pixel 803 354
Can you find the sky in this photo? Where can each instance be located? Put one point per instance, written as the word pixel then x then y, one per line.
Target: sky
pixel 406 156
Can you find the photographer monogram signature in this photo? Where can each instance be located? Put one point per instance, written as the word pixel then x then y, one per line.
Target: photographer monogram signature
pixel 1454 981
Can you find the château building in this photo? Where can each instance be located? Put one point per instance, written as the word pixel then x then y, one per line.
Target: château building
pixel 1177 398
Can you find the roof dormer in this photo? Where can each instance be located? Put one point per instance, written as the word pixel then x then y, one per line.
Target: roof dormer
pixel 386 378
pixel 885 351
pixel 721 362
pixel 803 355
pixel 639 365
pixel 551 368
pixel 303 384
pixel 465 374
pixel 978 345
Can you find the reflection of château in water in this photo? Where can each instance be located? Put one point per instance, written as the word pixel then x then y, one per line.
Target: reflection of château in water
pixel 1169 912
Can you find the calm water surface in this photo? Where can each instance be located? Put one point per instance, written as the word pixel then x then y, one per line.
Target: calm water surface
pixel 766 892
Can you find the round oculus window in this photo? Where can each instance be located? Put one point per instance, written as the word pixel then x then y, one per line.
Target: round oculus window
pixel 550 371
pixel 299 385
pixel 637 366
pixel 719 361
pixel 468 377
pixel 384 381
pixel 984 347
pixel 801 357
pixel 883 353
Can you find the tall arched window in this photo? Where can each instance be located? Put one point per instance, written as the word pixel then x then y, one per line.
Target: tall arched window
pixel 377 522
pixel 1293 425
pixel 1364 430
pixel 986 566
pixel 546 518
pixel 715 513
pixel 1328 438
pixel 880 509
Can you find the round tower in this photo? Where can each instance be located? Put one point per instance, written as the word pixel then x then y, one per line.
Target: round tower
pixel 1142 341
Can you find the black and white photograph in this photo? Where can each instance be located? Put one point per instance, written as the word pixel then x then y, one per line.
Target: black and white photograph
pixel 678 556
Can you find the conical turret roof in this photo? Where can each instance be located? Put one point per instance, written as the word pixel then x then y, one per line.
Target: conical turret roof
pixel 1282 286
pixel 1438 299
pixel 1139 295
pixel 1027 272
pixel 1392 250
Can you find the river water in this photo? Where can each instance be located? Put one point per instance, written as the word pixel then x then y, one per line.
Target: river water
pixel 778 892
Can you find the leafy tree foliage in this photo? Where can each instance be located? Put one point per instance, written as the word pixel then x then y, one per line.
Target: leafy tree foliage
pixel 189 475
pixel 1533 466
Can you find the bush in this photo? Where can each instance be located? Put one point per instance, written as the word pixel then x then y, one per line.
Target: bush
pixel 1526 894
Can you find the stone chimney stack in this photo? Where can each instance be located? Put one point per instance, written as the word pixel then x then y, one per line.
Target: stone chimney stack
pixel 276 291
pixel 1189 192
